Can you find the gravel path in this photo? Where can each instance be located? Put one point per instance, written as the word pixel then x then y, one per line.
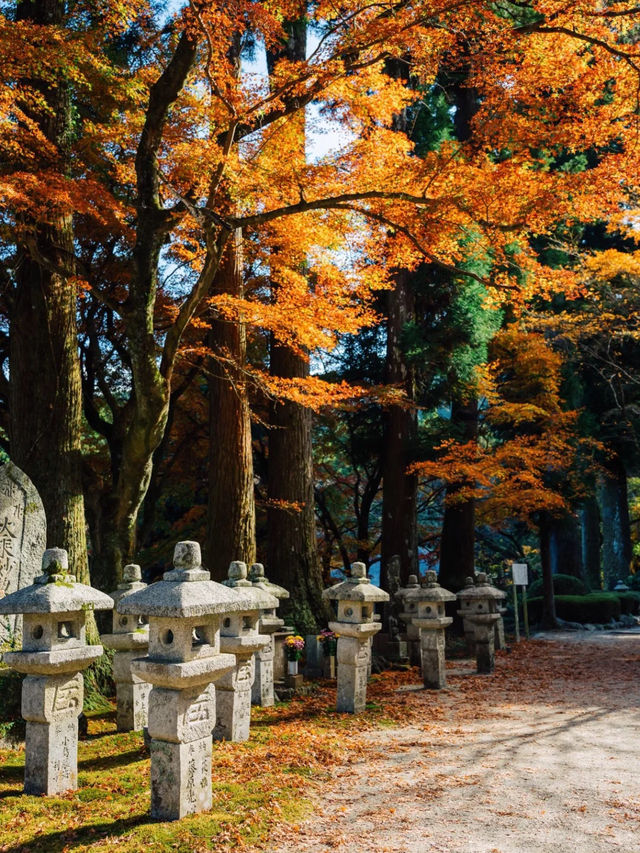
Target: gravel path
pixel 541 757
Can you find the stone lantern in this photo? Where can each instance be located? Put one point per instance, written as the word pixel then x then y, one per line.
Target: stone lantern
pixel 240 635
pixel 262 692
pixel 129 639
pixel 355 597
pixel 479 606
pixel 184 661
pixel 429 618
pixel 409 610
pixel 54 653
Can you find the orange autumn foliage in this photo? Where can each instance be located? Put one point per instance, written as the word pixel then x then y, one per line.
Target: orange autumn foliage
pixel 526 459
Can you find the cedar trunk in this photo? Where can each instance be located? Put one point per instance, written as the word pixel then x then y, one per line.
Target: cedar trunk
pixel 231 521
pixel 399 488
pixel 292 555
pixel 591 542
pixel 46 395
pixel 457 544
pixel 616 528
pixel 549 619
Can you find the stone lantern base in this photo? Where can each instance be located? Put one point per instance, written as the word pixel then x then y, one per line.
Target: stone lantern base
pixel 262 692
pixel 51 705
pixel 132 694
pixel 180 778
pixel 233 702
pixel 353 663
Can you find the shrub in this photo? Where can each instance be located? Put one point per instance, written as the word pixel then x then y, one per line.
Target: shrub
pixel 629 602
pixel 597 607
pixel 562 585
pixel 11 723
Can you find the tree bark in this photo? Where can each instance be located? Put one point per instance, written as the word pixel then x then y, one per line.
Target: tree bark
pixel 399 488
pixel 457 543
pixel 231 517
pixel 591 542
pixel 616 529
pixel 45 388
pixel 292 551
pixel 292 554
pixel 566 546
pixel 549 619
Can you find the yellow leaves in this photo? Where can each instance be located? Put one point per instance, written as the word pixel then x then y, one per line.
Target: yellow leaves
pixel 610 263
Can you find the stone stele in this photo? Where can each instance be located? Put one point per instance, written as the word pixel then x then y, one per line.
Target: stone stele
pixel 23 538
pixel 54 653
pixel 354 626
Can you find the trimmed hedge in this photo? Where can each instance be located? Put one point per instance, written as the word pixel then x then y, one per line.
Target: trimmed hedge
pixel 597 607
pixel 562 585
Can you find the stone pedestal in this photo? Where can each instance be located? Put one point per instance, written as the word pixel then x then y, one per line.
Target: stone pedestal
pixel 51 706
pixel 432 659
pixel 355 627
pixel 180 778
pixel 233 701
pixel 183 664
pixel 484 625
pixel 180 730
pixel 498 637
pixel 294 682
pixel 129 638
pixel 353 661
pixel 54 653
pixel 132 694
pixel 262 689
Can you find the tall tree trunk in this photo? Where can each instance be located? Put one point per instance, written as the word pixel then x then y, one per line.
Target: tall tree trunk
pixel 549 619
pixel 231 519
pixel 591 542
pixel 292 554
pixel 46 391
pixel 292 551
pixel 399 488
pixel 616 529
pixel 566 546
pixel 457 543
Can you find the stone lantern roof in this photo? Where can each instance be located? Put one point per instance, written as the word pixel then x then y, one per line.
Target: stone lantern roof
pixel 431 591
pixel 257 596
pixel 358 587
pixel 257 578
pixel 55 590
pixel 185 591
pixel 481 590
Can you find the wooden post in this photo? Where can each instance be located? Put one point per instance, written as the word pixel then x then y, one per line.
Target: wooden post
pixel 515 610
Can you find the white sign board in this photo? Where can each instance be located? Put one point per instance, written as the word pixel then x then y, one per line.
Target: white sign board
pixel 520 573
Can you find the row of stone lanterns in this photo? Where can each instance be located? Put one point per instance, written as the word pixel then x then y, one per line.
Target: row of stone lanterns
pixel 201 638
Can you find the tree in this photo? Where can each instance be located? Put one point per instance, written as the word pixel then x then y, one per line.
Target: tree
pixel 45 402
pixel 174 153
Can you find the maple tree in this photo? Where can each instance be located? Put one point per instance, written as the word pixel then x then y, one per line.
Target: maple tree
pixel 174 152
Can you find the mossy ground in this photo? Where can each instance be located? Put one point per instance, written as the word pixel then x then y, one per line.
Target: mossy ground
pixel 263 782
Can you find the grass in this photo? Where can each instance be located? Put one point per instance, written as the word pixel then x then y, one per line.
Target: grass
pixel 256 785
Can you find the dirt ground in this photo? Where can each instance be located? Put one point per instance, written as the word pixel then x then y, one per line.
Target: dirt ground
pixel 541 756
